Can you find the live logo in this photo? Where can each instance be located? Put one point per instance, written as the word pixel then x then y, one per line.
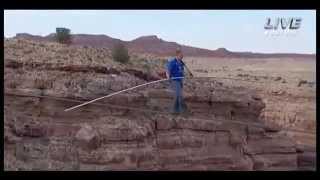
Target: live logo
pixel 285 23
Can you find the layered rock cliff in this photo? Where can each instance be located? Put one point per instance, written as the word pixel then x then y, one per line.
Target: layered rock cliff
pixel 222 130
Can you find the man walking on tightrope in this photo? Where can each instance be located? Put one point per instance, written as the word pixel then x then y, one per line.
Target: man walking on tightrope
pixel 175 69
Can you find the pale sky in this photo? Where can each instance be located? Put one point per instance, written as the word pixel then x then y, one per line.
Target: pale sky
pixel 236 30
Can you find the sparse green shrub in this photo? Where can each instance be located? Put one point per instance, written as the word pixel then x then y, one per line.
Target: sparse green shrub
pixel 147 69
pixel 120 53
pixel 301 82
pixel 63 35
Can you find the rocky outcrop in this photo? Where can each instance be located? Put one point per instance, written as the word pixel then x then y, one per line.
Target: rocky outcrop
pixel 222 130
pixel 103 137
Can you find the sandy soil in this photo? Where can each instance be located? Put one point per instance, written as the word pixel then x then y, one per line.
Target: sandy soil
pixel 288 104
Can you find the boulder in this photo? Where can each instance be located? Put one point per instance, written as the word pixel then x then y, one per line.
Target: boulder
pixel 87 137
pixel 277 78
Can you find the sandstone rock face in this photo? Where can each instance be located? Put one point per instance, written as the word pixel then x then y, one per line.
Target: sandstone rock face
pixel 134 131
pixel 102 137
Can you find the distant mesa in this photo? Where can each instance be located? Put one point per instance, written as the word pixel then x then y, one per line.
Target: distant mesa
pixel 147 38
pixel 152 44
pixel 52 35
pixel 222 50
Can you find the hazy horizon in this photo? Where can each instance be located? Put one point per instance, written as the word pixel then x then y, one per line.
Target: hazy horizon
pixel 181 44
pixel 235 30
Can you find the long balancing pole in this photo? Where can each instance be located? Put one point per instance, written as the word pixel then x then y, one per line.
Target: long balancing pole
pixel 118 92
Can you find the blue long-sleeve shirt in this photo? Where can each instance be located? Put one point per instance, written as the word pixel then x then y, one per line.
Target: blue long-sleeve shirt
pixel 175 68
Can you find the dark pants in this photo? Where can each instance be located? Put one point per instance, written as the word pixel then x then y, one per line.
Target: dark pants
pixel 177 87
